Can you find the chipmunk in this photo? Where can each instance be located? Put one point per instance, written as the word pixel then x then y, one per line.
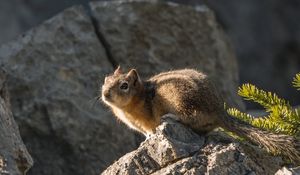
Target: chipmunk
pixel 189 95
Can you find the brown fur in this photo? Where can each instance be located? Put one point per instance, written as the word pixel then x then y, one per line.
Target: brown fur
pixel 189 95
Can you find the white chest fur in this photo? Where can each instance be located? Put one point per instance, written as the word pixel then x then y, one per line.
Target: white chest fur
pixel 125 119
pixel 121 115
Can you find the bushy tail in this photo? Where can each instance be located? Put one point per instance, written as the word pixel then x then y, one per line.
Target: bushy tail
pixel 281 144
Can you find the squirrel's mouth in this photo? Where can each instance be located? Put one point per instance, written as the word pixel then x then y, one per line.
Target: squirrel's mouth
pixel 106 96
pixel 105 99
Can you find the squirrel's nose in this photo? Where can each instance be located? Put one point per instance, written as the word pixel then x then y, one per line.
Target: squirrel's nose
pixel 106 94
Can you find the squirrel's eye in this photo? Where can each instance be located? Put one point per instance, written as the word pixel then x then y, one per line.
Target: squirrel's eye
pixel 124 86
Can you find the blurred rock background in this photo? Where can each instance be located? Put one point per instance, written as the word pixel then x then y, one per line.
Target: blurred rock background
pixel 53 83
pixel 265 35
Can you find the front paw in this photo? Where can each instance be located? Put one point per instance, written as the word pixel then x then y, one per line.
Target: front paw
pixel 148 135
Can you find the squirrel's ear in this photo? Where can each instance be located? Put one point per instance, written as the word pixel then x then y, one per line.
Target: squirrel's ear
pixel 133 74
pixel 118 71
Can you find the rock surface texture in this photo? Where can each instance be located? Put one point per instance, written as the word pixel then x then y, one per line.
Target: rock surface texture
pixel 175 149
pixel 14 157
pixel 55 71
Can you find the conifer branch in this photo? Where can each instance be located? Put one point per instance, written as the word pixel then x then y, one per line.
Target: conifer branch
pixel 296 81
pixel 281 118
pixel 266 99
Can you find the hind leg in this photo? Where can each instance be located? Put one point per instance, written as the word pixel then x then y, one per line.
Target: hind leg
pixel 200 122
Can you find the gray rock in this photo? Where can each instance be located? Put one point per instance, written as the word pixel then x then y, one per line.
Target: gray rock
pixel 154 36
pixel 14 157
pixel 175 149
pixel 54 72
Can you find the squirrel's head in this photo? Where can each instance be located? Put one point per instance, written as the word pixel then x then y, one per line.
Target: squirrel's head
pixel 119 89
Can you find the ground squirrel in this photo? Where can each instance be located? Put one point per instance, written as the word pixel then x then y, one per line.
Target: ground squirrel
pixel 189 95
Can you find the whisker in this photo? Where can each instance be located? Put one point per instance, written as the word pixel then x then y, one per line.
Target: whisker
pixel 94 101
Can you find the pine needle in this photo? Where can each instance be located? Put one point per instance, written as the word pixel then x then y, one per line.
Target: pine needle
pixel 296 81
pixel 266 99
pixel 281 118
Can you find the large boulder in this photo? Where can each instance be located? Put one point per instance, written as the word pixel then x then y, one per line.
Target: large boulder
pixel 14 157
pixel 155 36
pixel 175 149
pixel 54 74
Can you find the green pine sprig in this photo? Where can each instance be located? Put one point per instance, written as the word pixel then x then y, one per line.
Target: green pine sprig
pixel 281 118
pixel 266 99
pixel 296 81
